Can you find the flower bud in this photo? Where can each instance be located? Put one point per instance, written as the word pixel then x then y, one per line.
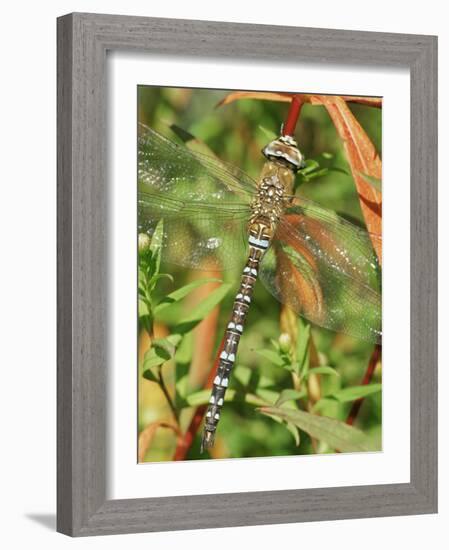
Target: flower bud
pixel 285 342
pixel 144 242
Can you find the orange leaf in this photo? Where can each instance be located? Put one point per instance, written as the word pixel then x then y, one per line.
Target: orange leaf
pixel 363 159
pixel 286 97
pixel 269 96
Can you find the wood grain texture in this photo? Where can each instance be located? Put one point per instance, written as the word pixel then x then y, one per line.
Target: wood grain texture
pixel 83 40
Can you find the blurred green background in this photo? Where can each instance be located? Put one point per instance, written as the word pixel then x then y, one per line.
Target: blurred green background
pixel 236 133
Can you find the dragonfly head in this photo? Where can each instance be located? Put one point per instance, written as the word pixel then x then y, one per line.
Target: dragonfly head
pixel 285 150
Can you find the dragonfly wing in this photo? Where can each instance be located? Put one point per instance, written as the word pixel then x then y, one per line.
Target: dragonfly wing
pixel 326 270
pixel 204 207
pixel 204 204
pixel 200 236
pixel 167 166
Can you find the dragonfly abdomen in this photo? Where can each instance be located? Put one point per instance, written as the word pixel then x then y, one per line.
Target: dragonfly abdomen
pixel 259 240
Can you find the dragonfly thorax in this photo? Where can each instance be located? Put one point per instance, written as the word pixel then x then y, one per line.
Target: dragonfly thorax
pixel 275 185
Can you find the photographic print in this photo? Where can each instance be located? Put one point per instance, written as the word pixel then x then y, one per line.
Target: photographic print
pixel 259 271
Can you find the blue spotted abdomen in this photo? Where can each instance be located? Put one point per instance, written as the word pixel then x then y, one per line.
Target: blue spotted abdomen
pixel 259 240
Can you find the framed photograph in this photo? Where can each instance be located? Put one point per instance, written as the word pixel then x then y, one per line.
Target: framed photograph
pixel 246 274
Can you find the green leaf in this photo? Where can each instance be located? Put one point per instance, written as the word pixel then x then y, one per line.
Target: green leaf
pixel 151 375
pixel 241 375
pixel 151 364
pixel 317 174
pixel 339 170
pixel 295 433
pixel 310 166
pixel 272 356
pixel 323 403
pixel 162 350
pixel 355 392
pixel 323 370
pixel 302 347
pixel 289 395
pixel 155 278
pixel 155 247
pixel 184 350
pixel 270 135
pixel 143 308
pixel 166 347
pixel 335 433
pixel 181 293
pixel 202 309
pixel 267 395
pixel 197 398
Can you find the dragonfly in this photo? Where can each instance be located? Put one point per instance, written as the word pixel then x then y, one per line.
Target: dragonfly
pixel 215 215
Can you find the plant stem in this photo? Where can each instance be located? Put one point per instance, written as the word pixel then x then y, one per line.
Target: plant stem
pixel 374 359
pixel 147 434
pixel 168 397
pixel 292 117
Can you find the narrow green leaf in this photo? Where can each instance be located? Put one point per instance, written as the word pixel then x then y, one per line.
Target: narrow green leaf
pixel 302 347
pixel 184 350
pixel 322 404
pixel 289 395
pixel 272 356
pixel 323 370
pixel 267 395
pixel 197 398
pixel 270 135
pixel 149 374
pixel 202 309
pixel 151 358
pixel 241 375
pixel 155 278
pixel 310 166
pixel 355 392
pixel 317 174
pixel 155 247
pixel 143 308
pixel 339 170
pixel 162 350
pixel 151 364
pixel 294 430
pixel 181 293
pixel 335 433
pixel 166 347
pixel 181 382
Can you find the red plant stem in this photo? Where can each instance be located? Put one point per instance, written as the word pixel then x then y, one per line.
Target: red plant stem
pixel 186 442
pixel 292 117
pixel 374 359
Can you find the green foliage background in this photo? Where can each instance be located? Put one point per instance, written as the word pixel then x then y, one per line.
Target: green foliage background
pixel 236 133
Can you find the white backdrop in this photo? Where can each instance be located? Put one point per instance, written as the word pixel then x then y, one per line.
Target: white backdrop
pixel 27 301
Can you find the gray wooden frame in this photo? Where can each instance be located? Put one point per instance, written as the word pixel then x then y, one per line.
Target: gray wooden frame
pixel 83 40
